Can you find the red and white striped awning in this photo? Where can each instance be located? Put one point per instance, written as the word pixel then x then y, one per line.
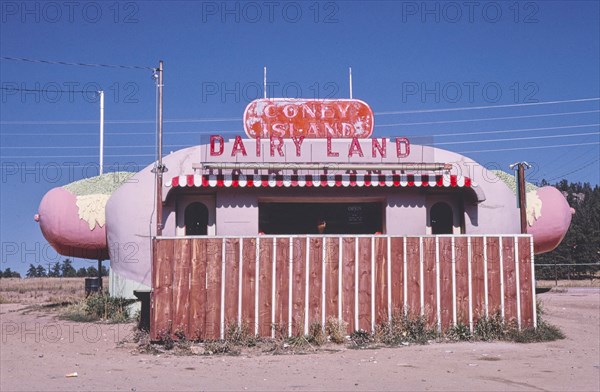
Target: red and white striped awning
pixel 308 180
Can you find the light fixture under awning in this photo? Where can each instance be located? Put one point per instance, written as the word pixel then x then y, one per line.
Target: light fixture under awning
pixel 308 180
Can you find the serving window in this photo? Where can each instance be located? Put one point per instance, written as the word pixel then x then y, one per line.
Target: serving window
pixel 195 215
pixel 320 218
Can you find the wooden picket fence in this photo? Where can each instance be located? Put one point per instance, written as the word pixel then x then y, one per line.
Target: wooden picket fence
pixel 202 284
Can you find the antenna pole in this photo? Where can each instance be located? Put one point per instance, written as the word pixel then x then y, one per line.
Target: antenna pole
pixel 101 169
pixel 521 197
pixel 350 77
pixel 160 169
pixel 265 82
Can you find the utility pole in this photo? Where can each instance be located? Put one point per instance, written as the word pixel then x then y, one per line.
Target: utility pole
pixel 350 80
pixel 521 198
pixel 101 169
pixel 159 169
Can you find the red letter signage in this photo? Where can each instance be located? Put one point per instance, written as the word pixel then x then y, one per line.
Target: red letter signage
pixel 325 118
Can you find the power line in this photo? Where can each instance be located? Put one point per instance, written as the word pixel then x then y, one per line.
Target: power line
pixel 84 147
pixel 520 138
pixel 560 161
pixel 85 122
pixel 91 165
pixel 232 119
pixel 45 91
pixel 231 132
pixel 485 107
pixel 513 130
pixel 529 148
pixel 436 144
pixel 121 133
pixel 576 170
pixel 187 145
pixel 488 119
pixel 75 156
pixel 77 64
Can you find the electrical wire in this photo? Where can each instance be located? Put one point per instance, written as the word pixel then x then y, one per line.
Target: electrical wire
pixel 485 107
pixel 45 90
pixel 436 144
pixel 153 155
pixel 529 148
pixel 76 64
pixel 576 170
pixel 231 119
pixel 519 138
pixel 95 122
pixel 513 130
pixel 488 119
pixel 232 132
pixel 76 156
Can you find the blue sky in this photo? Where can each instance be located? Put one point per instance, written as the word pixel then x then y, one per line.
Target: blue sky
pixel 405 56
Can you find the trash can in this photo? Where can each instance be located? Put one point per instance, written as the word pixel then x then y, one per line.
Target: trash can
pixel 144 297
pixel 92 285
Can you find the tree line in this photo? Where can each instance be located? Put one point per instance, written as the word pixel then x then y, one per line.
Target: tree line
pixel 62 269
pixel 581 244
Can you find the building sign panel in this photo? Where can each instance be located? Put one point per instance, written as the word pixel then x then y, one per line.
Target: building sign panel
pixel 313 119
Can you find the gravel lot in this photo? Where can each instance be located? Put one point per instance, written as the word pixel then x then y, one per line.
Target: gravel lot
pixel 38 351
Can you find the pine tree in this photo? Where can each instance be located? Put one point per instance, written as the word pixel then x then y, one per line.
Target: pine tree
pixel 92 272
pixel 32 271
pixel 41 271
pixel 581 244
pixel 67 270
pixel 81 272
pixel 55 271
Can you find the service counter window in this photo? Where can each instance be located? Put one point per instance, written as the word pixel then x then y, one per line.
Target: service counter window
pixel 320 218
pixel 195 215
pixel 196 219
pixel 444 216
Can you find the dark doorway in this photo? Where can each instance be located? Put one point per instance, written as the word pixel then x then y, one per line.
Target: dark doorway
pixel 441 218
pixel 320 218
pixel 196 219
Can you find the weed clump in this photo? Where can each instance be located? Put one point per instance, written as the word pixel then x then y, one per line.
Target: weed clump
pixel 401 328
pixel 316 334
pixel 240 335
pixel 490 328
pixel 459 333
pixel 99 307
pixel 361 338
pixel 336 330
pixel 218 347
pixel 543 333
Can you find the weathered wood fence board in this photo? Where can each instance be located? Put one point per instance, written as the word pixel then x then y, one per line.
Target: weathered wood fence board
pixel 283 284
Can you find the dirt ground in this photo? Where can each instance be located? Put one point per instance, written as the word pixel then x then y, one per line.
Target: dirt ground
pixel 38 351
pixel 43 290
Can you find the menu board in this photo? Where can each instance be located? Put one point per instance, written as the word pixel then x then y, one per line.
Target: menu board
pixel 354 215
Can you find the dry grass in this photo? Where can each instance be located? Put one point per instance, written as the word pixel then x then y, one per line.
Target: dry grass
pixel 42 290
pixel 336 330
pixel 595 282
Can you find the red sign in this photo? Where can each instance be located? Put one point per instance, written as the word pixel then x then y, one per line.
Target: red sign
pixel 349 148
pixel 325 118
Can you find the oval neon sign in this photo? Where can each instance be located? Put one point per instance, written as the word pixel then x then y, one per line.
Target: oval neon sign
pixel 314 119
